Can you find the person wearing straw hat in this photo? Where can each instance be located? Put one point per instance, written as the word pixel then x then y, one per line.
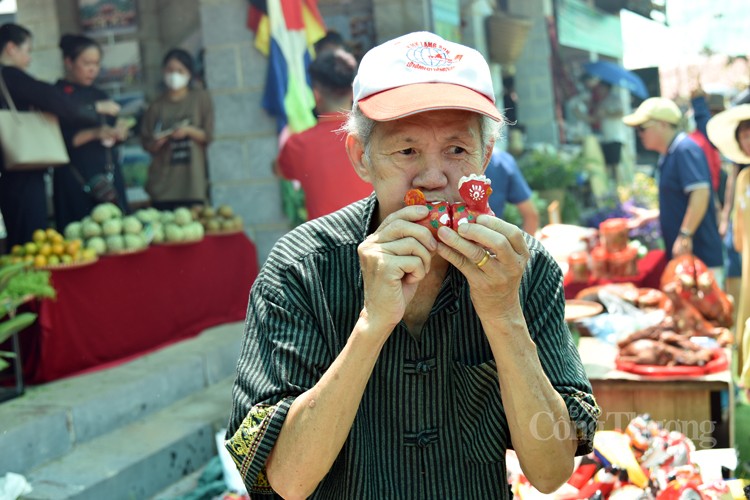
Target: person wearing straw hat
pixel 730 132
pixel 688 226
pixel 380 361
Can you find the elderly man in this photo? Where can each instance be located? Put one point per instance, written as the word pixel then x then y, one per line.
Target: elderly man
pixel 685 194
pixel 382 362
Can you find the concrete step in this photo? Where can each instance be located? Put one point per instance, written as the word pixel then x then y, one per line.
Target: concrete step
pixel 182 487
pixel 142 458
pixel 56 420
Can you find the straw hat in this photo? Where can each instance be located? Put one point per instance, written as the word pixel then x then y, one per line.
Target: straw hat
pixel 721 132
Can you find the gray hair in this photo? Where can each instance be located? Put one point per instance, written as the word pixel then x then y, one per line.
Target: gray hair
pixel 357 124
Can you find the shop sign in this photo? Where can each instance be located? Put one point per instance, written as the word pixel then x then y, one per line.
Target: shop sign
pixel 581 26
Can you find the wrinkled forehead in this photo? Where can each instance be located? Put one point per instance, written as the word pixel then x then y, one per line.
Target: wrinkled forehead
pixel 446 122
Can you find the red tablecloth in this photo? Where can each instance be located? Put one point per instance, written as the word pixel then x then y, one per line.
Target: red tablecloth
pixel 127 305
pixel 650 269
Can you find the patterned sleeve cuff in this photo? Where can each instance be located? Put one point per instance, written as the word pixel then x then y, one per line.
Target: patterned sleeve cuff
pixel 250 446
pixel 584 413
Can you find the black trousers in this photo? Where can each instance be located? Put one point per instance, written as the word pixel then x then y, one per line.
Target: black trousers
pixel 23 202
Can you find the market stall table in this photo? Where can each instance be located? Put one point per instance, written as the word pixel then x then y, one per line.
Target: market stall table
pixel 650 269
pixel 124 306
pixel 691 405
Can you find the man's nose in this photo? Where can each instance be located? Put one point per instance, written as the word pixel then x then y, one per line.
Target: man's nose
pixel 431 175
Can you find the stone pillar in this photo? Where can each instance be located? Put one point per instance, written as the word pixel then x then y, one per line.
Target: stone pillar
pixel 41 18
pixel 394 18
pixel 245 140
pixel 536 100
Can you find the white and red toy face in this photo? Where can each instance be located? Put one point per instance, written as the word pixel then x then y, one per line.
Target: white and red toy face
pixel 475 190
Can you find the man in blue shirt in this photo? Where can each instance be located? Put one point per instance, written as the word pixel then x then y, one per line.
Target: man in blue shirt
pixel 508 185
pixel 685 194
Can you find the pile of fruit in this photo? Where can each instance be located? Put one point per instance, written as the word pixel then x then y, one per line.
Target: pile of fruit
pixel 171 227
pixel 217 220
pixel 107 231
pixel 49 249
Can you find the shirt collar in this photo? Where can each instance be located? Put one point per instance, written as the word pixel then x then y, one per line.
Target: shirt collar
pixel 677 140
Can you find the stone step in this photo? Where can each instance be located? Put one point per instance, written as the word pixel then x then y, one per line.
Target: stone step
pixel 54 419
pixel 142 458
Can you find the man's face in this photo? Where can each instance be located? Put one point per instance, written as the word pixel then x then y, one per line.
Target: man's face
pixel 651 134
pixel 429 151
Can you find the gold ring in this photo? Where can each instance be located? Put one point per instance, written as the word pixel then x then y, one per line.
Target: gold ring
pixel 485 259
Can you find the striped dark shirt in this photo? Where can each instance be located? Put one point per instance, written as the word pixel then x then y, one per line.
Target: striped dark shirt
pixel 431 422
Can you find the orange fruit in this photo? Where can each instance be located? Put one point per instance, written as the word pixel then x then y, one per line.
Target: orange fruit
pixel 45 249
pixel 71 247
pixel 17 250
pixel 38 236
pixel 88 254
pixel 51 233
pixel 40 261
pixel 30 248
pixel 58 249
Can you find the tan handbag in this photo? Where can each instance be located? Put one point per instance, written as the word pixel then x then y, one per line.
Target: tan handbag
pixel 30 140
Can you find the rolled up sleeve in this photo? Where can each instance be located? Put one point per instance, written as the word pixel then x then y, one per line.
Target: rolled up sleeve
pixel 279 360
pixel 253 441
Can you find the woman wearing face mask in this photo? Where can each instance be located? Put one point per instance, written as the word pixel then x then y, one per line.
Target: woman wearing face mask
pixel 176 129
pixel 23 200
pixel 90 148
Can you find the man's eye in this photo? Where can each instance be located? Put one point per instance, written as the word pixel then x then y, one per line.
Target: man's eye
pixel 407 152
pixel 456 150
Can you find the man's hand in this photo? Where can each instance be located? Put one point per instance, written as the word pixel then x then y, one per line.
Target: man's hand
pixel 394 259
pixel 495 281
pixel 108 135
pixel 641 216
pixel 683 245
pixel 107 107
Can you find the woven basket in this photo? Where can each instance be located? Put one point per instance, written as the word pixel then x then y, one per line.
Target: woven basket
pixel 506 37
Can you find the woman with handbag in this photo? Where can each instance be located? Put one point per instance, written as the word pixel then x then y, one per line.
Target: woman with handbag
pixel 176 129
pixel 23 199
pixel 94 175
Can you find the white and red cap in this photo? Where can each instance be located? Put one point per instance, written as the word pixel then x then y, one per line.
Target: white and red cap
pixel 423 72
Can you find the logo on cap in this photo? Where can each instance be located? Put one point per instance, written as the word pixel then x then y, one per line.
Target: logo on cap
pixel 430 56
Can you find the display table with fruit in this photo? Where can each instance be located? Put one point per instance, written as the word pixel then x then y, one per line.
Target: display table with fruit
pixel 128 303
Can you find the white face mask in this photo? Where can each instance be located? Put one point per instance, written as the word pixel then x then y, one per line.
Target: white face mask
pixel 176 81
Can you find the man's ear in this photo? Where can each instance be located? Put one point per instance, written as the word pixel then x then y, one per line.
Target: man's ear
pixel 356 152
pixel 316 95
pixel 488 154
pixel 10 48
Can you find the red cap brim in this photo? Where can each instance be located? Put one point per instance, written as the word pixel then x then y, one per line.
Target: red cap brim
pixel 400 102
